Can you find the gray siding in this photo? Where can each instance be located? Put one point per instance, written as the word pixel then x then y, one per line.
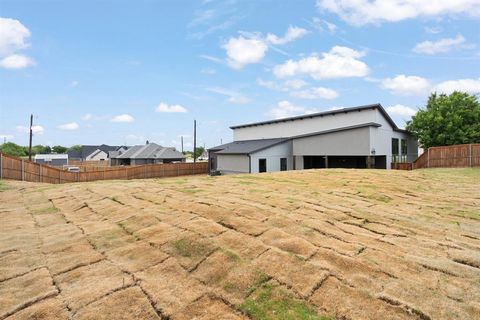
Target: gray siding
pixel 355 142
pixel 232 163
pixel 273 156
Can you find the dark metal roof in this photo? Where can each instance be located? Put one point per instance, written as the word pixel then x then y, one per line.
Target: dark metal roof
pixel 325 113
pixel 250 146
pixel 247 146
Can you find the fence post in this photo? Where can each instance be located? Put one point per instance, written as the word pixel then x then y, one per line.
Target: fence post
pixel 470 155
pixel 428 158
pixel 23 170
pixel 1 166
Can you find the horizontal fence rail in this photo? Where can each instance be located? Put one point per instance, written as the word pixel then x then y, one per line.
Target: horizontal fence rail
pixel 24 170
pixel 456 156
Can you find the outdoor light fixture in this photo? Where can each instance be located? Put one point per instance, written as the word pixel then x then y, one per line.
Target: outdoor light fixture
pixel 373 151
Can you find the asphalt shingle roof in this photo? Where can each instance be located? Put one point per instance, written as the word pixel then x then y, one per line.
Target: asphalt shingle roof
pixel 150 151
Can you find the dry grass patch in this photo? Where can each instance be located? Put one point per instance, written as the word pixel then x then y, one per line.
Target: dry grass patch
pixel 349 244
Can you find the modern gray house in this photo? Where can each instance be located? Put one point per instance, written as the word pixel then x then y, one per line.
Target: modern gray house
pixel 358 137
pixel 146 154
pixel 52 159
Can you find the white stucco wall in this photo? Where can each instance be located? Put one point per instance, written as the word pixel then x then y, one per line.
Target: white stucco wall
pixel 305 126
pixel 273 156
pixel 354 142
pixel 228 164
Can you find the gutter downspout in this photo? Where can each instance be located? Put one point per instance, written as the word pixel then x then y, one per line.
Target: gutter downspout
pixel 249 163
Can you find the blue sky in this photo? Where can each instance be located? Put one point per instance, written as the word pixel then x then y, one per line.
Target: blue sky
pixel 122 72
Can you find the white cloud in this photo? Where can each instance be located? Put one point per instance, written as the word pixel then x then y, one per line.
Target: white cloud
pixel 69 126
pixel 242 51
pixel 440 46
pixel 292 34
pixel 464 85
pixel 401 110
pixel 123 118
pixel 316 93
pixel 406 85
pixel 361 12
pixel 13 37
pixel 339 62
pixel 171 108
pixel 16 61
pixel 35 129
pixel 251 47
pixel 285 109
pixel 233 96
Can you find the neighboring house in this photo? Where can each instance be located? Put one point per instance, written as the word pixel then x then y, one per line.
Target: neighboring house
pixel 52 159
pixel 94 153
pixel 147 154
pixel 359 137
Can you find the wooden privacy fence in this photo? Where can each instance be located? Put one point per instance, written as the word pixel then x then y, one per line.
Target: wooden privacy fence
pixel 24 170
pixel 456 156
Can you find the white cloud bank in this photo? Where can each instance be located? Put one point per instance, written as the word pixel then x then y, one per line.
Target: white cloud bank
pixel 406 85
pixel 233 96
pixel 35 129
pixel 69 126
pixel 170 108
pixel 13 37
pixel 339 62
pixel 417 86
pixel 285 109
pixel 401 110
pixel 361 12
pixel 440 46
pixel 464 85
pixel 125 118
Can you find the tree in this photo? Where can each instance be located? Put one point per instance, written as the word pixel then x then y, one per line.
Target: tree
pixel 76 147
pixel 447 120
pixel 39 149
pixel 13 149
pixel 59 149
pixel 199 151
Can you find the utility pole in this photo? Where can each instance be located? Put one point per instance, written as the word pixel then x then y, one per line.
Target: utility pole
pixel 182 143
pixel 194 140
pixel 30 144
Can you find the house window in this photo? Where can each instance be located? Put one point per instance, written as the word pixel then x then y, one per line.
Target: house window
pixel 404 150
pixel 395 150
pixel 283 164
pixel 262 165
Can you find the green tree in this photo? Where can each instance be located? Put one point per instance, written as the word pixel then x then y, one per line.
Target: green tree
pixel 39 149
pixel 59 149
pixel 13 149
pixel 76 147
pixel 447 120
pixel 199 151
